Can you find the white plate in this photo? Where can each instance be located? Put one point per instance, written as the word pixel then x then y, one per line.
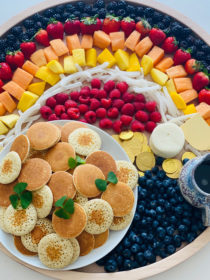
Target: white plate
pixel 111 146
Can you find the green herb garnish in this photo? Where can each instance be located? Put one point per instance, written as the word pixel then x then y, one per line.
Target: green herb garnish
pixel 112 178
pixel 73 162
pixel 21 196
pixel 102 184
pixel 66 207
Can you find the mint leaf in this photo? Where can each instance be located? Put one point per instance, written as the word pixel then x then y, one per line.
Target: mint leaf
pixel 20 187
pixel 25 199
pixel 72 163
pixel 59 202
pixel 101 184
pixel 79 160
pixel 69 206
pixel 14 200
pixel 61 213
pixel 112 178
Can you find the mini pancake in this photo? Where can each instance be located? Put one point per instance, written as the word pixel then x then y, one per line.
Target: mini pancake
pixel 32 239
pixel 10 167
pixel 86 243
pixel 43 201
pixel 84 179
pixel 36 172
pixel 54 251
pixel 68 128
pixel 99 216
pixel 71 227
pixel 102 160
pixel 21 145
pixel 20 221
pixel 76 248
pixel 37 154
pixel 120 197
pixel 5 191
pixel 85 141
pixel 100 239
pixel 43 135
pixel 20 247
pixel 59 155
pixel 2 224
pixel 120 223
pixel 127 173
pixel 80 199
pixel 61 184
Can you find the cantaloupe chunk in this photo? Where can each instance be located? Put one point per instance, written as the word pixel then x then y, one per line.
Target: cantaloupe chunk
pixel 122 58
pixel 87 41
pixel 37 88
pixel 69 65
pixel 38 58
pixel 177 71
pixel 22 78
pixel 91 57
pixel 59 47
pixel 79 57
pixel 178 101
pixel 106 56
pixel 117 40
pixel 132 40
pixel 3 128
pixel 164 64
pixel 208 121
pixel 156 54
pixel 14 89
pixel 47 75
pixel 55 67
pixel 203 109
pixel 27 100
pixel 134 64
pixel 158 76
pixel 101 39
pixel 73 42
pixel 10 120
pixel 2 109
pixel 146 64
pixel 189 95
pixel 7 101
pixel 183 84
pixel 30 67
pixel 143 46
pixel 170 86
pixel 190 109
pixel 50 54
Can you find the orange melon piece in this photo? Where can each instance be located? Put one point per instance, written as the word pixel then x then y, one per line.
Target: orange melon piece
pixel 132 40
pixel 117 40
pixel 50 54
pixel 22 78
pixel 203 109
pixel 14 89
pixel 208 121
pixel 182 84
pixel 38 58
pixel 189 95
pixel 156 54
pixel 2 109
pixel 7 101
pixel 30 67
pixel 59 47
pixel 143 46
pixel 101 39
pixel 177 71
pixel 87 42
pixel 164 64
pixel 73 42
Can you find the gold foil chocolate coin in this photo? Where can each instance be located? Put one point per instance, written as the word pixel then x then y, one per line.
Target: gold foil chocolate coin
pixel 126 135
pixel 145 161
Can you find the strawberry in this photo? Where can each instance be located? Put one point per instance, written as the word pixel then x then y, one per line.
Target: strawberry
pixel 157 36
pixel 1 85
pixel 204 96
pixel 15 59
pixel 5 71
pixel 28 48
pixel 111 24
pixel 89 25
pixel 55 29
pixel 200 80
pixel 170 45
pixel 181 56
pixel 192 66
pixel 42 37
pixel 72 26
pixel 128 25
pixel 143 27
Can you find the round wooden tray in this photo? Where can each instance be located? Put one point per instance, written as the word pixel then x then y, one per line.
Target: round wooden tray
pixel 93 271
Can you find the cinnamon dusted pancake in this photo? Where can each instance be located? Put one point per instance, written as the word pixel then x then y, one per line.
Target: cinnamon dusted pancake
pixel 68 128
pixel 10 167
pixel 43 201
pixel 2 224
pixel 100 239
pixel 21 248
pixel 5 191
pixel 127 173
pixel 76 248
pixel 21 145
pixel 86 243
pixel 80 199
pixel 120 223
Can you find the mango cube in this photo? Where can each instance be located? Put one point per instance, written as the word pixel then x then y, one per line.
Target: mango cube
pixel 178 101
pixel 158 76
pixel 27 100
pixel 122 58
pixel 170 86
pixel 190 109
pixel 134 64
pixel 69 66
pixel 37 88
pixel 55 67
pixel 9 120
pixel 146 64
pixel 91 57
pixel 106 56
pixel 79 56
pixel 47 75
pixel 3 128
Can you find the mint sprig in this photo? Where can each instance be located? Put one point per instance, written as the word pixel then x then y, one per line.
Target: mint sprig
pixel 102 184
pixel 21 196
pixel 66 207
pixel 74 162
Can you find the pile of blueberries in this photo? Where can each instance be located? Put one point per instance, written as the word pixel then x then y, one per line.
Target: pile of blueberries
pixel 162 222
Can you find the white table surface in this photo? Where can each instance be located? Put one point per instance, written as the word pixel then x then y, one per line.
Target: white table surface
pixel 195 268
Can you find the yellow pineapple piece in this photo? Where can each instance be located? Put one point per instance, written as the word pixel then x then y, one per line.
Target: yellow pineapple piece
pixel 134 64
pixel 106 56
pixel 178 101
pixel 190 109
pixel 55 67
pixel 27 100
pixel 122 58
pixel 3 128
pixel 37 88
pixel 158 76
pixel 47 75
pixel 170 86
pixel 79 56
pixel 91 57
pixel 146 64
pixel 69 66
pixel 10 120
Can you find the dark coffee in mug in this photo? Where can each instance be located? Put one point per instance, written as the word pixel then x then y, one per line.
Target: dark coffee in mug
pixel 202 176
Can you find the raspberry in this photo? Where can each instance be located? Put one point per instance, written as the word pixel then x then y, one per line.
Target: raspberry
pixel 126 120
pixel 122 86
pixel 101 113
pixel 83 108
pixel 73 113
pixel 51 102
pixel 142 116
pixel 59 109
pixel 139 105
pixel 115 93
pixel 95 83
pixel 94 92
pixel 45 111
pixel 105 123
pixel 90 117
pixel 113 113
pixel 137 126
pixel 74 95
pixel 70 104
pixel 86 88
pixel 84 99
pixel 83 120
pixel 53 117
pixel 128 97
pixel 94 104
pixel 150 106
pixel 101 94
pixel 140 98
pixel 61 98
pixel 150 126
pixel 106 102
pixel 117 126
pixel 155 117
pixel 85 91
pixel 108 86
pixel 118 103
pixel 64 116
pixel 127 109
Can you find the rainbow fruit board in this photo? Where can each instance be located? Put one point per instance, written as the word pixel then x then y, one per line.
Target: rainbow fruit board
pixel 138 74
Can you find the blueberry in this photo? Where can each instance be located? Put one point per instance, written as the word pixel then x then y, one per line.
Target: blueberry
pixel 119 260
pixel 205 49
pixel 161 232
pixel 2 57
pixel 144 236
pixel 140 11
pixel 143 193
pixel 161 174
pixel 139 257
pixel 37 17
pixel 200 55
pixel 121 4
pixel 166 20
pixel 155 169
pixel 77 14
pixel 155 224
pixel 156 245
pixel 166 183
pixel 148 254
pixel 194 228
pixel 110 266
pixel 153 204
pixel 199 43
pixel 150 237
pixel 102 13
pixel 88 9
pixel 60 9
pixel 80 5
pixel 160 210
pixel 135 248
pixel 171 249
pixel 191 236
pixel 136 217
pixel 144 222
pixel 135 238
pixel 127 264
pixel 159 160
pixel 71 8
pixel 28 23
pixel 65 16
pixel 16 45
pixel 31 32
pixel 130 9
pixel 57 17
pixel 162 254
pixel 134 265
pixel 158 184
pixel 142 181
pixel 182 228
pixel 112 5
pixel 157 16
pixel 119 248
pixel 126 242
pixel 101 262
pixel 148 12
pixel 161 25
pixel 149 183
pixel 170 230
pixel 176 29
pixel 16 30
pixel 148 174
pixel 49 12
pixel 140 209
pixel 167 240
pixel 2 44
pixel 10 39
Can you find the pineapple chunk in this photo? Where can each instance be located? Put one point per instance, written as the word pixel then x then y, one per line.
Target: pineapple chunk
pixel 3 128
pixel 9 120
pixel 91 57
pixel 55 67
pixel 122 58
pixel 47 75
pixel 158 76
pixel 178 101
pixel 106 56
pixel 69 66
pixel 170 86
pixel 79 56
pixel 146 64
pixel 134 64
pixel 27 100
pixel 37 88
pixel 190 109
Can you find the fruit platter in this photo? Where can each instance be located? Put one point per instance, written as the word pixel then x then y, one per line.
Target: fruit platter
pixel 104 138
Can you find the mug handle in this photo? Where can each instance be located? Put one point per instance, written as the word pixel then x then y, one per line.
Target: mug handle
pixel 206 216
